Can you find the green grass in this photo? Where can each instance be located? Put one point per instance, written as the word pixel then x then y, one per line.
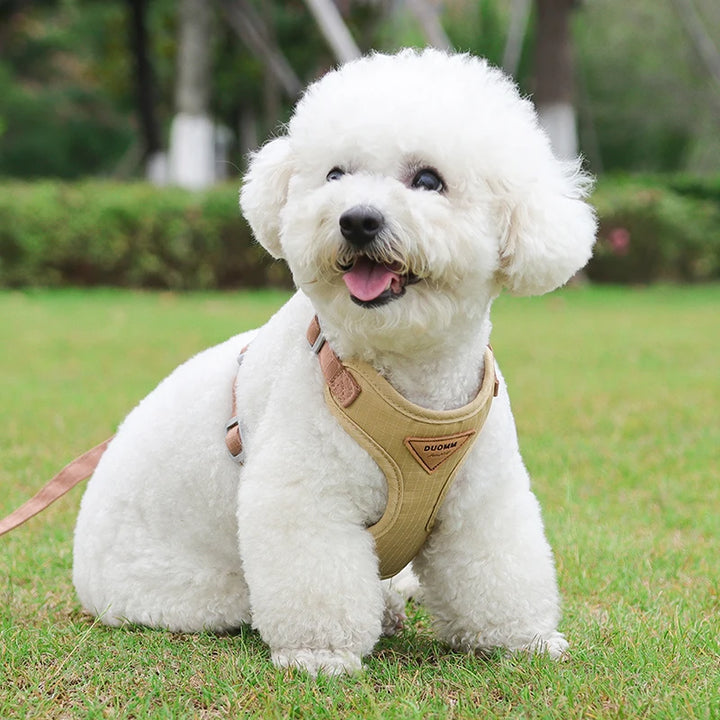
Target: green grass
pixel 615 392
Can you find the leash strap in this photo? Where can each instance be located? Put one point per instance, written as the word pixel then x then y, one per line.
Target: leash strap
pixel 83 467
pixel 72 474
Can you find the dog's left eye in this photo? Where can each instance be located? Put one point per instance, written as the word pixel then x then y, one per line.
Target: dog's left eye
pixel 427 180
pixel 335 174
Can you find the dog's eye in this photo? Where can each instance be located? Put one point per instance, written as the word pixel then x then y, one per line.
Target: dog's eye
pixel 426 179
pixel 335 174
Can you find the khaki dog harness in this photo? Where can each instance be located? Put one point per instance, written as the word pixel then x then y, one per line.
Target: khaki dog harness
pixel 418 450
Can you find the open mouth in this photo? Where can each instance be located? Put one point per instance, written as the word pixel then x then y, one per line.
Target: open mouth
pixel 372 284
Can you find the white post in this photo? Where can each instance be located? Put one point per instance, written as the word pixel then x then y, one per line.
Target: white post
pixel 191 157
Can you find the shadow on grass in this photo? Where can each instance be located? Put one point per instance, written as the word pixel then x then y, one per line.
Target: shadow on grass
pixel 412 651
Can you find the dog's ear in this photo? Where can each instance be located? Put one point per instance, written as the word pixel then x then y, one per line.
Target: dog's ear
pixel 550 231
pixel 264 192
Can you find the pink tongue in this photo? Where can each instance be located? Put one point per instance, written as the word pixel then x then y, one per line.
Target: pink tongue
pixel 367 279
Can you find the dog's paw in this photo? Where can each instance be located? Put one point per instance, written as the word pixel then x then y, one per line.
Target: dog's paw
pixel 555 646
pixel 315 662
pixel 394 616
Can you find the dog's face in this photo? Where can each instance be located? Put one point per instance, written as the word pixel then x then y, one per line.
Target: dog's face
pixel 409 189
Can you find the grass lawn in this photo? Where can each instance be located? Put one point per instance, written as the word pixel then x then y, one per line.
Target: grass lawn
pixel 616 394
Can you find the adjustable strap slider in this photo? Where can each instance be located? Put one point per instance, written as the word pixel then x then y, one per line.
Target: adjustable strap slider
pixel 233 440
pixel 318 343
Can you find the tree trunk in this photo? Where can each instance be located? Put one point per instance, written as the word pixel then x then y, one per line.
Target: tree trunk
pixel 519 17
pixel 253 31
pixel 192 91
pixel 428 15
pixel 554 75
pixel 334 29
pixel 702 43
pixel 144 81
pixel 192 136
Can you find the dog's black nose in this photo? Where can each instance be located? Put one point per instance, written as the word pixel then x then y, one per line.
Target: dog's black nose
pixel 361 224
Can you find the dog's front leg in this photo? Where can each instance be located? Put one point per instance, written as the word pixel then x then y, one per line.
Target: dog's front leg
pixel 312 574
pixel 487 571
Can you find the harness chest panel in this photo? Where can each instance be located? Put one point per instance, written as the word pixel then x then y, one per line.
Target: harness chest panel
pixel 418 450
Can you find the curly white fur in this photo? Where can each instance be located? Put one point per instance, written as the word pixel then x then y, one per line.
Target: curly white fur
pixel 172 533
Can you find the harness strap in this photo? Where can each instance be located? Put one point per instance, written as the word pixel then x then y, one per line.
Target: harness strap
pixel 342 384
pixel 72 474
pixel 233 437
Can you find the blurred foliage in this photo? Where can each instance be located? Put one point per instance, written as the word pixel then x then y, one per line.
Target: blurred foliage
pixel 64 109
pixel 239 79
pixel 652 228
pixel 128 234
pixel 67 96
pixel 646 101
pixel 656 228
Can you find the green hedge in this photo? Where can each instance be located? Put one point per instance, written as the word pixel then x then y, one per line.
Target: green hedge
pixel 657 229
pixel 136 235
pixel 102 233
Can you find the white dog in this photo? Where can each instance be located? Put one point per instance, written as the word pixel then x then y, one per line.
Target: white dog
pixel 407 192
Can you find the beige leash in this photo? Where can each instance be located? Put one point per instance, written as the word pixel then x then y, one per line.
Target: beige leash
pixel 72 474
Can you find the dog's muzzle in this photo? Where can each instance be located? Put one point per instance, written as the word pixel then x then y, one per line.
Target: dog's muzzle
pixel 371 281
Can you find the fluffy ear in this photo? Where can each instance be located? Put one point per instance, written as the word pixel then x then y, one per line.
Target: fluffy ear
pixel 550 232
pixel 264 192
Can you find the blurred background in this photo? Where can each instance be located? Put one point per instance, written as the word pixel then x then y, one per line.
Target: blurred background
pixel 125 124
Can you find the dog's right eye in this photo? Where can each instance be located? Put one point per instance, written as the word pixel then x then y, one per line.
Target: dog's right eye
pixel 335 174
